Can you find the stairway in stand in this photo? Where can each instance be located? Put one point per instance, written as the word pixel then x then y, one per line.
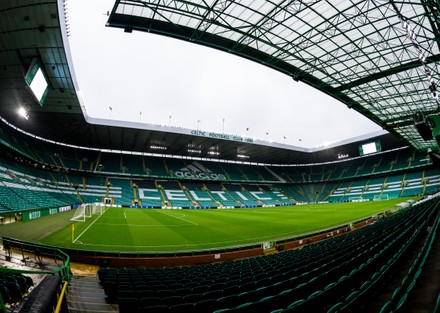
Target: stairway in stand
pixel 86 295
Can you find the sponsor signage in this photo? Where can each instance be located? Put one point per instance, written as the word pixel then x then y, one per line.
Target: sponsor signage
pixel 65 208
pixel 198 171
pixel 34 215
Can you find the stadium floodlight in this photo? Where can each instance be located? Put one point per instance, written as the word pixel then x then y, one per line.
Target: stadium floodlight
pixel 23 112
pixel 36 80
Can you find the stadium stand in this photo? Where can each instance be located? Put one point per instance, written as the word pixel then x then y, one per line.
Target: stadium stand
pixel 337 270
pixel 40 187
pixel 148 193
pixel 14 286
pixel 132 164
pixel 155 167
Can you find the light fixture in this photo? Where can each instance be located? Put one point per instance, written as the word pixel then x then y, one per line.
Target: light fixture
pixel 23 112
pixel 155 147
pixel 194 151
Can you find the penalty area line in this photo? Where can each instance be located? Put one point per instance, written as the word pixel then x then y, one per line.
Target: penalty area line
pixel 179 218
pixel 88 227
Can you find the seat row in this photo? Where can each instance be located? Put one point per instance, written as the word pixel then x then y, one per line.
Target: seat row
pixel 14 286
pixel 315 277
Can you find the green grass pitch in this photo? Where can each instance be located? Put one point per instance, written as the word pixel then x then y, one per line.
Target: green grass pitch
pixel 127 229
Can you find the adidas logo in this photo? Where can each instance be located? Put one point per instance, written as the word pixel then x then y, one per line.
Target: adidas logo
pixel 195 167
pixel 198 171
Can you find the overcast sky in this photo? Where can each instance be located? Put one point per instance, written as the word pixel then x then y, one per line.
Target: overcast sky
pixel 163 77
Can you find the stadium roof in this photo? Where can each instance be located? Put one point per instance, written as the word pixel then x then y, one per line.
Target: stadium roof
pixel 378 57
pixel 358 53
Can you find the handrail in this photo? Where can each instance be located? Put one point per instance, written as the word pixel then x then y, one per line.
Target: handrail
pixel 61 297
pixel 24 246
pixel 2 304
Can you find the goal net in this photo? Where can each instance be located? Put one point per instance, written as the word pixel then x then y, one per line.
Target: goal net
pixel 381 197
pixel 82 212
pixel 356 199
pixel 98 208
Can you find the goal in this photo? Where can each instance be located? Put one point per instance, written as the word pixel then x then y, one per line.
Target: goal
pixel 98 208
pixel 356 199
pixel 86 210
pixel 381 197
pixel 82 212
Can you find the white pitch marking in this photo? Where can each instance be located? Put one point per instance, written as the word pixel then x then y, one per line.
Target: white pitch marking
pixel 88 227
pixel 180 218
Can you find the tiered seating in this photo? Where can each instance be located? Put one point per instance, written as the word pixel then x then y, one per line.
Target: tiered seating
pixel 95 190
pixel 393 186
pixel 291 174
pixel 121 187
pixel 276 194
pixel 404 291
pixel 295 192
pixel 250 173
pixel 233 172
pixel 14 286
pixel 413 184
pixel 433 181
pixel 364 166
pixel 374 188
pixel 132 164
pixel 22 191
pixel 216 168
pixel 148 193
pixel 308 193
pixel 176 165
pixel 263 196
pixel 264 174
pixel 155 167
pixel 220 195
pixel 111 163
pixel 241 196
pixel 200 195
pixel 311 279
pixel 175 195
pixel 324 191
pixel 87 159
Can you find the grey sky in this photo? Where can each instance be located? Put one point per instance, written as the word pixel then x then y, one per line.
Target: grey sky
pixel 163 77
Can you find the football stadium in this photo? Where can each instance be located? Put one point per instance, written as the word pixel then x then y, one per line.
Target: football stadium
pixel 107 215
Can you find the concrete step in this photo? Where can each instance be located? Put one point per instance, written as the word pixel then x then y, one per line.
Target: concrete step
pixel 87 295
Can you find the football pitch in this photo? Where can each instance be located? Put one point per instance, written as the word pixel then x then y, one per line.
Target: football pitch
pixel 148 230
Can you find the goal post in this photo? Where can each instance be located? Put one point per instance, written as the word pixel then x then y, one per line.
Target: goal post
pixel 98 208
pixel 82 212
pixel 381 197
pixel 356 199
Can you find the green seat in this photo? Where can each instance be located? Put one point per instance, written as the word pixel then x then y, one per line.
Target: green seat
pixel 396 296
pixel 352 296
pixel 386 307
pixel 316 293
pixel 365 285
pixel 296 303
pixel 401 302
pixel 336 308
pixel 375 276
